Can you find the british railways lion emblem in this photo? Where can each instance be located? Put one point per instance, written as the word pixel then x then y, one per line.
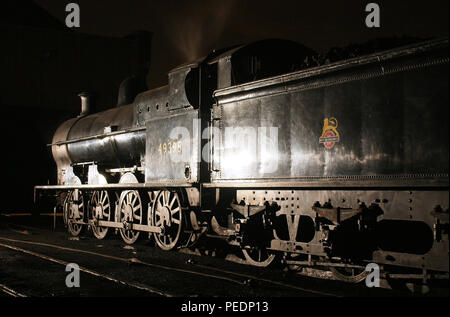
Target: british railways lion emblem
pixel 330 135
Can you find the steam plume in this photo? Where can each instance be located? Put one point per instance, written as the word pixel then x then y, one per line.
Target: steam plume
pixel 189 28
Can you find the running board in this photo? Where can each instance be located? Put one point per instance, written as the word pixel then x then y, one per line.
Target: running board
pixel 113 186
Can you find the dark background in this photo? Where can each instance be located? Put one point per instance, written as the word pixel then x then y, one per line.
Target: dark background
pixel 45 64
pixel 188 29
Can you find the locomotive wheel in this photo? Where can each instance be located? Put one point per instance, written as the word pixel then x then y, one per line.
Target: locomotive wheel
pixel 258 256
pixel 130 211
pixel 167 214
pixel 73 211
pixel 350 275
pixel 100 206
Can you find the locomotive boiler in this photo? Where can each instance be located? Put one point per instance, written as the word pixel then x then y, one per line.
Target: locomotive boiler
pixel 335 165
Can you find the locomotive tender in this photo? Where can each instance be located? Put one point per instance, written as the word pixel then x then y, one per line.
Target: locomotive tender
pixel 336 166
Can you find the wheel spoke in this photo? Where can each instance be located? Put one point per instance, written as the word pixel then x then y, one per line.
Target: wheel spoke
pixel 176 221
pixel 172 202
pixel 127 198
pixel 159 205
pixel 105 196
pixel 164 198
pixel 174 211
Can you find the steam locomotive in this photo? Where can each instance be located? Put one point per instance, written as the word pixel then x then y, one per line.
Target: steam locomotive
pixel 335 166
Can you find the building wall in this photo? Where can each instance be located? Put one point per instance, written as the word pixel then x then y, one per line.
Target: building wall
pixel 42 71
pixel 48 68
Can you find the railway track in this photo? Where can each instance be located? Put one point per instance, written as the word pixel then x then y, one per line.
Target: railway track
pixel 82 269
pixel 152 272
pixel 194 269
pixel 10 292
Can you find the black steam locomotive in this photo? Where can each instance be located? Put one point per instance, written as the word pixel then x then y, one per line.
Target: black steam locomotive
pixel 337 165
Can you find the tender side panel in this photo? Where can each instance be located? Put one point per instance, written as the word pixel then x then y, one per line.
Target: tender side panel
pixel 378 120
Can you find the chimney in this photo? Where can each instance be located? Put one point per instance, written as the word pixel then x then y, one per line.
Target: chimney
pixel 85 103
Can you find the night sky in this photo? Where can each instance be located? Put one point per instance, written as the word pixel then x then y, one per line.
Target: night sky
pixel 184 30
